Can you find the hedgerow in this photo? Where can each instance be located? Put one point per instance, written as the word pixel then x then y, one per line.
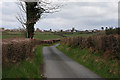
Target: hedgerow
pixel 107 45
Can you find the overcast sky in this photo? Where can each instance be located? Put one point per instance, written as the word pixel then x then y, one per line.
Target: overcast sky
pixel 81 14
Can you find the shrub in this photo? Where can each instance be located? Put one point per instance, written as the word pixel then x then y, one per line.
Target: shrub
pixel 16 50
pixel 107 45
pixel 112 31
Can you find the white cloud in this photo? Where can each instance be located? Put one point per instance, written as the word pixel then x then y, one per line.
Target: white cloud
pixel 73 14
pixel 92 14
pixel 56 21
pixel 67 0
pixel 93 0
pixel 0 13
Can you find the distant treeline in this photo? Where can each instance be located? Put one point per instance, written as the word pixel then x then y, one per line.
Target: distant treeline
pixel 112 31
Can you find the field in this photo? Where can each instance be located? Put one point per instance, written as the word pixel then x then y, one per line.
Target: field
pixel 27 68
pixel 8 34
pixel 46 35
pixel 78 34
pixel 42 35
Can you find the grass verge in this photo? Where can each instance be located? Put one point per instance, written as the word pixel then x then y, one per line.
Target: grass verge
pixel 93 61
pixel 27 68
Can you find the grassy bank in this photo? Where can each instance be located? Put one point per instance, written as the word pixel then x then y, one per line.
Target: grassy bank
pixel 94 61
pixel 29 68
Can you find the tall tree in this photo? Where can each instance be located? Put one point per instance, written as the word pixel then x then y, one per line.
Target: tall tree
pixel 33 14
pixel 34 11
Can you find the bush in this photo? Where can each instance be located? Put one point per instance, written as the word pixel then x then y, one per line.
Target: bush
pixel 112 31
pixel 16 50
pixel 109 46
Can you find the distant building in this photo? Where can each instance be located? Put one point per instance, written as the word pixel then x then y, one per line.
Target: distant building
pixel 90 30
pixel 79 31
pixel 67 30
pixel 7 30
pixel 46 30
pixel 95 30
pixel 14 30
pixel 38 30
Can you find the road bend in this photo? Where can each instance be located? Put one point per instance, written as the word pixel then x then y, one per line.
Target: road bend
pixel 58 65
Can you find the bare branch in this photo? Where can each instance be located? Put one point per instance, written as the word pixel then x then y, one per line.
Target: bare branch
pixel 21 6
pixel 33 12
pixel 19 19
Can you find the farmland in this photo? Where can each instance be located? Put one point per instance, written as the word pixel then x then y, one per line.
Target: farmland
pixel 70 34
pixel 38 35
pixel 46 35
pixel 8 34
pixel 42 35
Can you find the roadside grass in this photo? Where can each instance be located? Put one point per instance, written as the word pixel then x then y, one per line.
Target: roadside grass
pixel 27 68
pixel 93 61
pixel 38 54
pixel 46 36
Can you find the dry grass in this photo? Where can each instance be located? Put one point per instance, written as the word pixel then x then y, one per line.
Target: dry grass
pixel 109 46
pixel 106 68
pixel 18 49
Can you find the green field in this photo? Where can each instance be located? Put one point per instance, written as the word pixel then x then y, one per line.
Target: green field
pixel 71 34
pixel 93 61
pixel 12 36
pixel 43 35
pixel 38 35
pixel 8 34
pixel 77 34
pixel 46 36
pixel 25 69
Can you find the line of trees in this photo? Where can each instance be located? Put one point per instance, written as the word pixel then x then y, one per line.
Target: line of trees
pixel 112 31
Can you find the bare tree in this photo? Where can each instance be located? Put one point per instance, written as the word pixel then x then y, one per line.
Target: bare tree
pixel 33 12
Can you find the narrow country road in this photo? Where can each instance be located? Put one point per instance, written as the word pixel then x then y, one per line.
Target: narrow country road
pixel 58 65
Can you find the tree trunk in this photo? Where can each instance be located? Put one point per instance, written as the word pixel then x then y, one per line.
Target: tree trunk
pixel 29 22
pixel 30 30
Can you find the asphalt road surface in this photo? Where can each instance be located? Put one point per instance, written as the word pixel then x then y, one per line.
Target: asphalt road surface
pixel 58 65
